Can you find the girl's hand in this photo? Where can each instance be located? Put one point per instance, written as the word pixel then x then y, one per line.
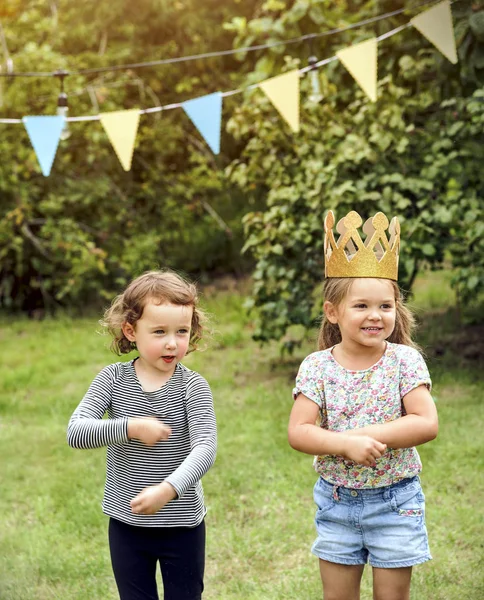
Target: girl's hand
pixel 148 430
pixel 152 499
pixel 363 449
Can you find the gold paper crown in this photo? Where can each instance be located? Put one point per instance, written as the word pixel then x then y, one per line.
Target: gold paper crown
pixel 351 257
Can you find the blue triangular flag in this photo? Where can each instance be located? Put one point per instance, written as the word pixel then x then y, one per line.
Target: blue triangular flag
pixel 206 114
pixel 44 133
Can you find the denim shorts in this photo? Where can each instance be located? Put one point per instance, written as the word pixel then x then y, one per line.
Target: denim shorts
pixel 383 526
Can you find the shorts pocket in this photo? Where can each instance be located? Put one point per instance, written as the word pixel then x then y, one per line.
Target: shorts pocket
pixel 322 510
pixel 323 497
pixel 408 502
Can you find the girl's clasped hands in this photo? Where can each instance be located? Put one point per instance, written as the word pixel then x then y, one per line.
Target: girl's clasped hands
pixel 362 449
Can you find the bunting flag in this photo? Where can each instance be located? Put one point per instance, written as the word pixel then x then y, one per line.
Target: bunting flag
pixel 361 61
pixel 206 114
pixel 121 127
pixel 436 25
pixel 283 92
pixel 44 134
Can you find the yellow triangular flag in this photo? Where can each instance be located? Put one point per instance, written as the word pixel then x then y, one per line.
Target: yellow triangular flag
pixel 283 92
pixel 436 25
pixel 361 62
pixel 121 127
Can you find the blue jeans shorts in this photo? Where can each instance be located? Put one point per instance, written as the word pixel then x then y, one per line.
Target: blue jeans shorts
pixel 383 526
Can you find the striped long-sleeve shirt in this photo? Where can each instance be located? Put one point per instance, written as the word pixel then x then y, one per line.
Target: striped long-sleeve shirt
pixel 185 404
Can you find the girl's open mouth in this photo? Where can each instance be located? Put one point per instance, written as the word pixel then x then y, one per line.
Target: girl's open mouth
pixel 168 359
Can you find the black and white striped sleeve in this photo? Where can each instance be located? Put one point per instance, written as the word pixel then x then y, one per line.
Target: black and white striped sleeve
pixel 203 436
pixel 87 428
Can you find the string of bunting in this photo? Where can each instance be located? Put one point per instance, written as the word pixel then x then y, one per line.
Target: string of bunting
pixel 205 112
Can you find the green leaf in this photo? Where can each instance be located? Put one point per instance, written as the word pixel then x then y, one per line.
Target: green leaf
pixel 472 282
pixel 428 249
pixel 476 23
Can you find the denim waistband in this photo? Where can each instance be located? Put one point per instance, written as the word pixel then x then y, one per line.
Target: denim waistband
pixel 368 493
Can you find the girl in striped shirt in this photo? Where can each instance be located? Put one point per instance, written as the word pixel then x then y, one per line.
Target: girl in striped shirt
pixel 160 435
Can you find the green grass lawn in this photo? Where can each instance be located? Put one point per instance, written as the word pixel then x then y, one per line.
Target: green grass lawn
pixel 53 541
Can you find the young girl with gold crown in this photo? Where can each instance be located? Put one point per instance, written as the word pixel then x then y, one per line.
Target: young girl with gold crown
pixel 362 404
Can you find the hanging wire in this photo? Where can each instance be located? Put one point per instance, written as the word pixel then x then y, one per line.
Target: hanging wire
pixel 8 58
pixel 156 109
pixel 179 59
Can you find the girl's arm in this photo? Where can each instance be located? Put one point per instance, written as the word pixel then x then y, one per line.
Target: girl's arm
pixel 304 435
pixel 88 429
pixel 418 426
pixel 202 427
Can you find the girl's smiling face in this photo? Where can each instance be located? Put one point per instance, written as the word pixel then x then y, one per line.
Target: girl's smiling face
pixel 366 316
pixel 162 337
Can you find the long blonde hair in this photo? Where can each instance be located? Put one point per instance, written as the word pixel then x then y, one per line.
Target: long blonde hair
pixel 160 287
pixel 335 290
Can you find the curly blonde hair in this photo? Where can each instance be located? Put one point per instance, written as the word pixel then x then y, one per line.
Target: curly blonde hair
pixel 159 286
pixel 335 290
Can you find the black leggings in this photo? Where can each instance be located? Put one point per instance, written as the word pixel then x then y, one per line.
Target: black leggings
pixel 136 550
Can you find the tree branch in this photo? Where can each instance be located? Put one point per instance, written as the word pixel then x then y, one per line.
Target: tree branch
pixel 35 241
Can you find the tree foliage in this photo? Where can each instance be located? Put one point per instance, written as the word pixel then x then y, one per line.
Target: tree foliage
pixel 83 231
pixel 416 152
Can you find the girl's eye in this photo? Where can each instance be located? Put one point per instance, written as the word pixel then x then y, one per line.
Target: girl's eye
pixel 360 306
pixel 184 331
pixel 386 306
pixel 159 332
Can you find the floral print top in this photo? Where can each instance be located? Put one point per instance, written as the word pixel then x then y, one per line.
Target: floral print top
pixel 353 399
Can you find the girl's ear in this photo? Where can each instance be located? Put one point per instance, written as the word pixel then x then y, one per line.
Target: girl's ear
pixel 129 332
pixel 330 312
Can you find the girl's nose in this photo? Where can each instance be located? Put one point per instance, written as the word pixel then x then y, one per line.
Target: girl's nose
pixel 171 342
pixel 375 315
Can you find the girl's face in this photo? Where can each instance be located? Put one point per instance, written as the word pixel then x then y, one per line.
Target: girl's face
pixel 162 336
pixel 366 316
